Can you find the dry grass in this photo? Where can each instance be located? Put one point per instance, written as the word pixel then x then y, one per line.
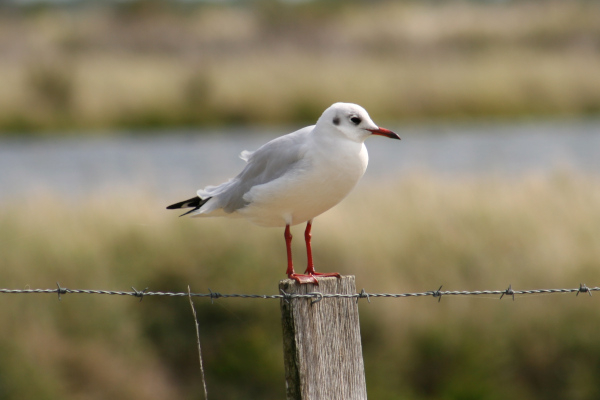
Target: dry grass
pixel 92 68
pixel 484 233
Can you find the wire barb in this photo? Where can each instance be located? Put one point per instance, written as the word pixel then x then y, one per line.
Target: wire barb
pixel 214 295
pixel 363 295
pixel 139 294
pixel 317 297
pixel 583 289
pixel 438 294
pixel 508 291
pixel 60 291
pixel 285 296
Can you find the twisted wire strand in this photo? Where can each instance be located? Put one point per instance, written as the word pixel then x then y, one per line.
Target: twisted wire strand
pixel 316 296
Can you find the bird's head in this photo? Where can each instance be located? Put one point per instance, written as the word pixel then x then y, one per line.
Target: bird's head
pixel 352 121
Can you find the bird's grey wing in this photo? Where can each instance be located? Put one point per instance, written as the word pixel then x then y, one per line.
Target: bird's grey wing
pixel 269 162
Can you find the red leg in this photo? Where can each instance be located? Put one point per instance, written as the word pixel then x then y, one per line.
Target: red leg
pixel 288 244
pixel 310 269
pixel 310 274
pixel 290 268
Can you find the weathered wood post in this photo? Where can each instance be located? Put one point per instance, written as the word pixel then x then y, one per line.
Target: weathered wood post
pixel 321 342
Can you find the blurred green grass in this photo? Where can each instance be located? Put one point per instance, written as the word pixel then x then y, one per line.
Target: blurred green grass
pixel 151 65
pixel 414 235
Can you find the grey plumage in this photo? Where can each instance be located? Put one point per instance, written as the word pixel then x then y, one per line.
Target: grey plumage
pixel 271 161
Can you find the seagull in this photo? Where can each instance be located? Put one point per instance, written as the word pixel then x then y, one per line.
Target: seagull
pixel 294 178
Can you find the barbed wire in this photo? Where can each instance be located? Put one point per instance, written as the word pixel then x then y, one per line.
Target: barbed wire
pixel 315 296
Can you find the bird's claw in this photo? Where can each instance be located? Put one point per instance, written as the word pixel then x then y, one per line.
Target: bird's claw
pixel 311 277
pixel 301 278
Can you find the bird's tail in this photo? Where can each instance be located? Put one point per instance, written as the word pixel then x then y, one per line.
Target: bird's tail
pixel 195 202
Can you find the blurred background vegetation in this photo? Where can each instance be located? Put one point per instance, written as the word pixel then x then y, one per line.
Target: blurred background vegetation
pixel 413 236
pixel 80 68
pixel 149 63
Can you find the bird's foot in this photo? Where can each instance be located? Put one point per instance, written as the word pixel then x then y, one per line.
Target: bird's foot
pixel 301 278
pixel 324 274
pixel 311 277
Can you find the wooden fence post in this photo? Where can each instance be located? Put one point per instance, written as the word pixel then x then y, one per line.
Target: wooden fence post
pixel 321 342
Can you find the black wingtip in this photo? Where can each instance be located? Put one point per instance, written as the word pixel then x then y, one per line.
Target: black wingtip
pixel 195 203
pixel 188 212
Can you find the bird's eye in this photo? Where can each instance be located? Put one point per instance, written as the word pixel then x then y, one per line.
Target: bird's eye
pixel 355 120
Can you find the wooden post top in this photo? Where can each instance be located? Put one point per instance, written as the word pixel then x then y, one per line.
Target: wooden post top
pixel 322 346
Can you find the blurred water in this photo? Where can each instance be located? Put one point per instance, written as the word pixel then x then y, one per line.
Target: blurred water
pixel 174 164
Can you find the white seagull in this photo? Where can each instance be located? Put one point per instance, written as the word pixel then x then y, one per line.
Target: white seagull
pixel 295 177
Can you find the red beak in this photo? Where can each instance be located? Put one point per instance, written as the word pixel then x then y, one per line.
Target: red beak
pixel 384 132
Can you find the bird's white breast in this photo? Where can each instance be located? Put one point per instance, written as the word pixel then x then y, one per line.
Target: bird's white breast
pixel 320 180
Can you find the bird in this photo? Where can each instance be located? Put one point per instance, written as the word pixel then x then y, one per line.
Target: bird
pixel 294 178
